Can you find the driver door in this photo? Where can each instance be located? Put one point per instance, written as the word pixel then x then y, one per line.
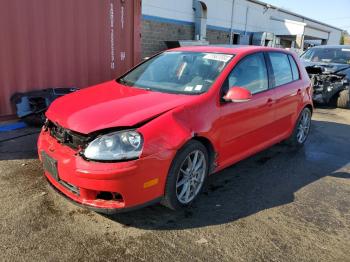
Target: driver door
pixel 246 127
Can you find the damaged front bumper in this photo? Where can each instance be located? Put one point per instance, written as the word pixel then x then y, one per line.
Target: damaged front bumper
pixel 103 187
pixel 323 93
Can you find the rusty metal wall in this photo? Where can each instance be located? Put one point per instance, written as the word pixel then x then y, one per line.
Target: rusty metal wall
pixel 62 43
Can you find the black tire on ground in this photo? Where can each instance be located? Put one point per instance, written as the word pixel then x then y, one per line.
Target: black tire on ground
pixel 170 198
pixel 343 100
pixel 293 141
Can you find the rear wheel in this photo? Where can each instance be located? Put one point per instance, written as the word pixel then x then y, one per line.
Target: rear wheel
pixel 301 129
pixel 187 175
pixel 343 100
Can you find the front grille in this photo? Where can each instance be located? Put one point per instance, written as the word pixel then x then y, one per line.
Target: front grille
pixel 67 137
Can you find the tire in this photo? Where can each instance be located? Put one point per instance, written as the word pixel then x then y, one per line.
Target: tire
pixel 295 141
pixel 174 198
pixel 343 100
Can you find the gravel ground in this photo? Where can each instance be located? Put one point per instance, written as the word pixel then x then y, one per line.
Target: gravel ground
pixel 275 206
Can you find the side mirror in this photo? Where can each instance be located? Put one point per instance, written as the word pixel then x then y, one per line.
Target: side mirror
pixel 237 94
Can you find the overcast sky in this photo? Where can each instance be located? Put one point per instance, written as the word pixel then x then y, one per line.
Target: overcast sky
pixel 333 12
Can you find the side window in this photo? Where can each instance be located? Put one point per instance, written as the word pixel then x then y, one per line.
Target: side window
pixel 250 73
pixel 281 68
pixel 294 66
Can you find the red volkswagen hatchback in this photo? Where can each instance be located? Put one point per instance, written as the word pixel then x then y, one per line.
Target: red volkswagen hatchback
pixel 157 132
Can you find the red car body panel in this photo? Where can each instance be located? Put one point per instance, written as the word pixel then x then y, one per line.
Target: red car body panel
pixel 166 122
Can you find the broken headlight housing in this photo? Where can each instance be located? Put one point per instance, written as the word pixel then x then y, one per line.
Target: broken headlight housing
pixel 121 145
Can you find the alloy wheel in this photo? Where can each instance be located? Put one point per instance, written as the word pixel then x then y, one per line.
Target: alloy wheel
pixel 304 126
pixel 191 176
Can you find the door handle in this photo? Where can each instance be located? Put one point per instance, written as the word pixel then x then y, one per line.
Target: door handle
pixel 269 101
pixel 299 91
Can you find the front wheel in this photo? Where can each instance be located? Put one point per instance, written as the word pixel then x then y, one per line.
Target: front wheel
pixel 187 175
pixel 301 129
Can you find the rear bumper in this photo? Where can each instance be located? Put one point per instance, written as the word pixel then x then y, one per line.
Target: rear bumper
pixel 132 184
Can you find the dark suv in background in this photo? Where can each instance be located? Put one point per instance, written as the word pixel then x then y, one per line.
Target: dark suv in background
pixel 329 70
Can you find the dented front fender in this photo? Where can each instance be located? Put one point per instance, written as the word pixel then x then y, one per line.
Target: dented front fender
pixel 168 132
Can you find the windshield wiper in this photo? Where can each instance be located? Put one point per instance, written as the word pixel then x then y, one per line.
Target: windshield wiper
pixel 128 83
pixel 123 81
pixel 144 88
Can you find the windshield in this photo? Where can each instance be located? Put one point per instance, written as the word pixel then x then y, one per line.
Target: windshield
pixel 178 72
pixel 327 55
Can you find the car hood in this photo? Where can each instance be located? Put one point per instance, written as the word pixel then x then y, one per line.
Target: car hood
pixel 110 105
pixel 328 67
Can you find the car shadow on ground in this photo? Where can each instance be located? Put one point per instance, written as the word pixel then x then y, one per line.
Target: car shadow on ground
pixel 266 180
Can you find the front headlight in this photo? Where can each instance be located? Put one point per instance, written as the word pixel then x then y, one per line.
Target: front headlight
pixel 121 145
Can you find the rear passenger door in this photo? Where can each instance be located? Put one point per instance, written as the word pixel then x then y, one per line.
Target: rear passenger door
pixel 287 86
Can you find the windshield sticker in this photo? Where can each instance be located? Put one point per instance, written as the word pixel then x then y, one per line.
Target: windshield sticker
pixel 218 57
pixel 188 88
pixel 345 49
pixel 198 87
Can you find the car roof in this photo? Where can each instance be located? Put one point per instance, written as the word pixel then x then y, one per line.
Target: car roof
pixel 332 46
pixel 226 49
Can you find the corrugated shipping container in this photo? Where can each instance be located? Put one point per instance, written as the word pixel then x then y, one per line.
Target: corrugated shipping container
pixel 63 43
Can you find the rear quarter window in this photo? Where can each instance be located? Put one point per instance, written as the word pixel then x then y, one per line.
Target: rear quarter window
pixel 295 69
pixel 281 68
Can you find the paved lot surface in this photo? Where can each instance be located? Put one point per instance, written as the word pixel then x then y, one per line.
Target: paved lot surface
pixel 275 206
